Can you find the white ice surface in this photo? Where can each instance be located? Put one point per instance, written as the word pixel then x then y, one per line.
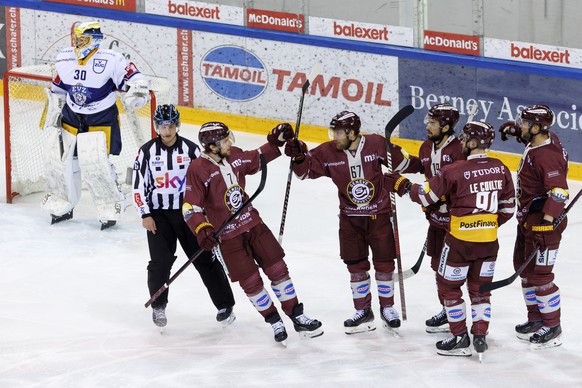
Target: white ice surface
pixel 72 315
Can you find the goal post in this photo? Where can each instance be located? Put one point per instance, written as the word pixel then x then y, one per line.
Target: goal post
pixel 25 139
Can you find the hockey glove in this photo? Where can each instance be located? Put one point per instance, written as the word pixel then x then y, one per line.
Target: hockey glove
pixel 542 233
pixel 296 150
pixel 510 128
pixel 205 236
pixel 397 183
pixel 280 134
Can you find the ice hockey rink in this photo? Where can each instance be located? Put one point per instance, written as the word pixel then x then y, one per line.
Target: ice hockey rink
pixel 72 307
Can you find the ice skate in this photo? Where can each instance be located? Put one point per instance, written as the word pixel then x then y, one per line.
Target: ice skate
pixel 361 321
pixel 480 345
pixel 390 319
pixel 525 330
pixel 280 334
pixel 64 217
pixel 457 345
pixel 107 224
pixel 159 317
pixel 438 323
pixel 225 316
pixel 546 337
pixel 305 326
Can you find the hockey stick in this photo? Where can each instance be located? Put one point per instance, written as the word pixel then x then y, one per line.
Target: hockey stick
pixel 390 127
pixel 473 109
pixel 507 281
pixel 165 286
pixel 416 267
pixel 314 72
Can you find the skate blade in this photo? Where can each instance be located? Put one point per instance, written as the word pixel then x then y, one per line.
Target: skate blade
pixel 311 334
pixel 480 357
pixel 550 344
pixel 362 328
pixel 283 343
pixel 228 320
pixel 395 331
pixel 523 337
pixel 438 329
pixel 466 352
pixel 162 330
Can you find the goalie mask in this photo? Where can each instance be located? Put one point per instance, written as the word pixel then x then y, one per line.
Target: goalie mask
pixel 166 115
pixel 483 133
pixel 212 133
pixel 86 38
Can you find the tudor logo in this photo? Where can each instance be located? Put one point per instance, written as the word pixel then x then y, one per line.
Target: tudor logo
pixel 234 73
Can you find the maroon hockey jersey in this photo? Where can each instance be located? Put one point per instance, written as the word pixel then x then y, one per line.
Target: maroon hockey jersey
pixel 542 179
pixel 217 190
pixel 358 176
pixel 481 192
pixel 432 161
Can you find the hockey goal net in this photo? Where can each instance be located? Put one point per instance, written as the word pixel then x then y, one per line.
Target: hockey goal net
pixel 25 139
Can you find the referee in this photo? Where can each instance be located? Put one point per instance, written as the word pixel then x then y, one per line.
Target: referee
pixel 159 180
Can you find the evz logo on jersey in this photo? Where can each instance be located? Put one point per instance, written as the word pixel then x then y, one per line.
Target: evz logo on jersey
pixel 80 94
pixel 233 198
pixel 99 65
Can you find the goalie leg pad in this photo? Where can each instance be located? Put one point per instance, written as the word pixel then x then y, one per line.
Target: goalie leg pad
pixel 63 176
pixel 99 175
pixel 51 115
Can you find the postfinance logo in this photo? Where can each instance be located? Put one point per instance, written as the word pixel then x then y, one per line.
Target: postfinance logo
pixel 234 73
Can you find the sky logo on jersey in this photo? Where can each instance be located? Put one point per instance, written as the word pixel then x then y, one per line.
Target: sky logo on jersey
pixel 165 182
pixel 234 73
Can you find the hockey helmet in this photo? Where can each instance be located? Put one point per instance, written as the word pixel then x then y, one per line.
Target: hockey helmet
pixel 213 133
pixel 166 115
pixel 86 38
pixel 484 133
pixel 537 114
pixel 445 114
pixel 348 121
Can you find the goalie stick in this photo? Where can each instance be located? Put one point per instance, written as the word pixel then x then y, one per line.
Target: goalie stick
pixel 507 281
pixel 314 73
pixel 390 127
pixel 166 285
pixel 473 109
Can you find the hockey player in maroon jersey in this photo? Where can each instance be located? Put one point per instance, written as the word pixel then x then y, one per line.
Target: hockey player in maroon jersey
pixel 214 190
pixel 542 189
pixel 482 197
pixel 354 163
pixel 440 149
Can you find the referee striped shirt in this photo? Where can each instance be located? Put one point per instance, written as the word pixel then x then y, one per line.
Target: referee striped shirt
pixel 159 174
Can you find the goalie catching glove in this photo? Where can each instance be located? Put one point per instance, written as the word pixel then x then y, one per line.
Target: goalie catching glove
pixel 138 94
pixel 205 235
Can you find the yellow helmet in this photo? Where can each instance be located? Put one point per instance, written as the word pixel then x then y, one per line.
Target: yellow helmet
pixel 86 38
